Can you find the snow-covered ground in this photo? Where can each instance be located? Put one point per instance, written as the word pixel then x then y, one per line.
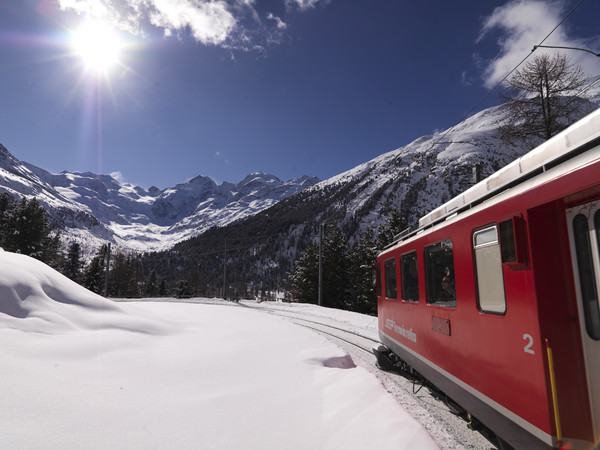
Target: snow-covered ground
pixel 79 371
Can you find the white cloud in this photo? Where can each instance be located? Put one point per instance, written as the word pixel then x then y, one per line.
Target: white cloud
pixel 304 4
pixel 232 24
pixel 465 78
pixel 93 7
pixel 280 23
pixel 119 177
pixel 210 22
pixel 521 24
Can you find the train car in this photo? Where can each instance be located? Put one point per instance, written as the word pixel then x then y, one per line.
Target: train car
pixel 494 297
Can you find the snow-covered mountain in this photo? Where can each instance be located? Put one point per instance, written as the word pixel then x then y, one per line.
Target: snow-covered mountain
pixel 86 205
pixel 413 180
pixel 422 175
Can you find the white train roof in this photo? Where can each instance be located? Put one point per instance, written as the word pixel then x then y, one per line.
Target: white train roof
pixel 564 145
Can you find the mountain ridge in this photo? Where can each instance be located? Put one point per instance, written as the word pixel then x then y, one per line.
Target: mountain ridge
pixel 412 179
pixel 94 208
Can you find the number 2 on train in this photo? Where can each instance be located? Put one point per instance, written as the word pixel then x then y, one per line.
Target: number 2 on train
pixel 529 339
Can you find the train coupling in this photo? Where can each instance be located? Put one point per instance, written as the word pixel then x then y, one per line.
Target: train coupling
pixel 386 360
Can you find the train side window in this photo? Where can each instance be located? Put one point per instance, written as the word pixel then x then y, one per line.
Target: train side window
pixel 410 279
pixel 378 279
pixel 390 278
pixel 439 272
pixel 507 232
pixel 488 268
pixel 512 243
pixel 587 278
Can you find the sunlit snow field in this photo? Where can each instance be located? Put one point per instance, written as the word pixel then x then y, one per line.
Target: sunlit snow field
pixel 79 371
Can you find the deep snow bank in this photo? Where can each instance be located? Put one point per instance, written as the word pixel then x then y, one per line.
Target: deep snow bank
pixel 79 371
pixel 35 297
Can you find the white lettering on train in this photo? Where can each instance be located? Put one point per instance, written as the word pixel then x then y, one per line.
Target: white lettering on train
pixel 399 329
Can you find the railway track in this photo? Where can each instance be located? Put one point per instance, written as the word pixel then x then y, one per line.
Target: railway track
pixel 449 430
pixel 355 338
pixel 338 334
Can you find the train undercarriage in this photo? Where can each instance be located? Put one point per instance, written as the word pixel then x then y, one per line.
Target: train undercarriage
pixel 388 361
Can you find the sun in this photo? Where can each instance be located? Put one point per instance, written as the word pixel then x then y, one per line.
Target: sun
pixel 98 45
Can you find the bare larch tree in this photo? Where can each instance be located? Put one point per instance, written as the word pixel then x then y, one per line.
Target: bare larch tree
pixel 543 98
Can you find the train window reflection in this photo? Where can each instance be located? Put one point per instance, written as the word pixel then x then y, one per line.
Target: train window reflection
pixel 439 271
pixel 488 267
pixel 409 277
pixel 390 279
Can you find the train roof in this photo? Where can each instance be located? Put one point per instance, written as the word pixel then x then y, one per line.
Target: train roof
pixel 576 139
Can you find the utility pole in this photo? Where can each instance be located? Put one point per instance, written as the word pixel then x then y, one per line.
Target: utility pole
pixel 107 266
pixel 320 264
pixel 476 173
pixel 225 271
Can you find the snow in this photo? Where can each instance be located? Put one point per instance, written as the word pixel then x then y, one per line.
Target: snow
pixel 135 218
pixel 81 371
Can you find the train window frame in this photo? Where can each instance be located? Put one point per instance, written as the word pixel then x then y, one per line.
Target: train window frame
pixel 595 308
pixel 409 277
pixel 391 279
pixel 378 279
pixel 512 242
pixel 586 273
pixel 489 274
pixel 439 271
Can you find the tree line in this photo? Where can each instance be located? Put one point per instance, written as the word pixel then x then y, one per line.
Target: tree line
pixel 25 228
pixel 124 278
pixel 347 272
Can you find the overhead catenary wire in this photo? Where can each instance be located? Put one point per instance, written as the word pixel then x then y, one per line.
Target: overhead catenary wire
pixel 535 47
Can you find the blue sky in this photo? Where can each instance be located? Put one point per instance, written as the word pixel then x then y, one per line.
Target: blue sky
pixel 228 87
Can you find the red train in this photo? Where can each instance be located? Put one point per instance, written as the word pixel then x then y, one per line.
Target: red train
pixel 495 297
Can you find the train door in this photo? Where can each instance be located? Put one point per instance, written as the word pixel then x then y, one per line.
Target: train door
pixel 584 238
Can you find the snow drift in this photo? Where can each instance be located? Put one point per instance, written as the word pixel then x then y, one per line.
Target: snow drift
pixel 80 371
pixel 36 298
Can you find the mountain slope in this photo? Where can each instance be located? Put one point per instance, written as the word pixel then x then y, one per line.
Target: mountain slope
pixel 413 179
pixel 271 220
pixel 92 207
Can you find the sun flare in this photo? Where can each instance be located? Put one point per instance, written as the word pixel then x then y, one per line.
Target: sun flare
pixel 98 45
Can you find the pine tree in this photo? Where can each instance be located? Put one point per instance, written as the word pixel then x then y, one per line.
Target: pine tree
pixel 305 276
pixel 122 277
pixel 364 299
pixel 162 287
pixel 387 233
pixel 183 289
pixel 73 264
pixel 94 273
pixel 151 288
pixel 131 289
pixel 25 229
pixel 336 286
pixel 347 281
pixel 6 203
